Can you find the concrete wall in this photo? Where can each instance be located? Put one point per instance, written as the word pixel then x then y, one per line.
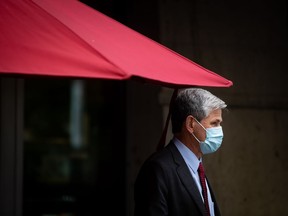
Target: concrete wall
pixel 247 43
pixel 249 173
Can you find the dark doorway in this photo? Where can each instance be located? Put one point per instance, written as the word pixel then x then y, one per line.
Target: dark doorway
pixel 74 147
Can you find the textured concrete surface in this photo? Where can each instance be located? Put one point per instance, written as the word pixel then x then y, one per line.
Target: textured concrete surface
pixel 247 43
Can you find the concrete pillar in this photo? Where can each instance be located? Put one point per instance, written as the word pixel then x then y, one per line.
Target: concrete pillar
pixel 247 43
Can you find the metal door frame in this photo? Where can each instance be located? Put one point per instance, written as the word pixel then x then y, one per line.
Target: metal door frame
pixel 11 145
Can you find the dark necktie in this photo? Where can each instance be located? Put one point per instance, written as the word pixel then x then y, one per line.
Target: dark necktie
pixel 204 189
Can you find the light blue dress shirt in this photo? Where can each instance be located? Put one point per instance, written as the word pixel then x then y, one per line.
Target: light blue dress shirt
pixel 193 163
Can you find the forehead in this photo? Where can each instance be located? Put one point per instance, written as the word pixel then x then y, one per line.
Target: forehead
pixel 215 115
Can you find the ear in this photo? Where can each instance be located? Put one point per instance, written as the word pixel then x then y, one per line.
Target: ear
pixel 189 124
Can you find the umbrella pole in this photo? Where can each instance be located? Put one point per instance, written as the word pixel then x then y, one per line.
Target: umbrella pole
pixel 162 140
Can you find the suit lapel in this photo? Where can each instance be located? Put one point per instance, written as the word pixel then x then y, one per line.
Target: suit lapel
pixel 186 178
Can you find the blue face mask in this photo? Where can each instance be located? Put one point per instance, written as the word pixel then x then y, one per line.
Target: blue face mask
pixel 213 141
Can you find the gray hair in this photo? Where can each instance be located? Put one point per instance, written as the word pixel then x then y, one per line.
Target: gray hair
pixel 193 101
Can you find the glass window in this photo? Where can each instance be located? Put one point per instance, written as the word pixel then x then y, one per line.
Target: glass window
pixel 74 147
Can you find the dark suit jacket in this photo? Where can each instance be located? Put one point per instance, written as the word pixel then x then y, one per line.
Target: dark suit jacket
pixel 164 186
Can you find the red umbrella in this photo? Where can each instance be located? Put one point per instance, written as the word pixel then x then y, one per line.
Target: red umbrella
pixel 68 38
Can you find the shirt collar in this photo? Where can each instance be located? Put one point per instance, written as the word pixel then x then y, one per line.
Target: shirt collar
pixel 190 158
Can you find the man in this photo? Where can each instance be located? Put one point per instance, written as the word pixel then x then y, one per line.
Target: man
pixel 169 182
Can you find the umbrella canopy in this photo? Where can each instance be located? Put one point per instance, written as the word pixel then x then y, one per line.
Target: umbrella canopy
pixel 68 38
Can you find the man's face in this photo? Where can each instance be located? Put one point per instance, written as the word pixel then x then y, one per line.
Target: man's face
pixel 214 119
